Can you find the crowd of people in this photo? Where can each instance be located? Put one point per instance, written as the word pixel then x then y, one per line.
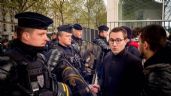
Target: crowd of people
pixel 130 63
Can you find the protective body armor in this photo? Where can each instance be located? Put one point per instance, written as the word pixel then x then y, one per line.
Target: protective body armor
pixel 102 43
pixel 26 77
pixel 90 54
pixel 71 55
pixel 31 77
pixel 64 63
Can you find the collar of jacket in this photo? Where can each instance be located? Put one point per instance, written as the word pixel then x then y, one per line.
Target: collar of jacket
pixel 120 54
pixel 161 56
pixel 28 49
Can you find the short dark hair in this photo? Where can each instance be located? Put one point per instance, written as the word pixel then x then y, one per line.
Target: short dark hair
pixel 154 35
pixel 136 31
pixel 129 31
pixel 20 30
pixel 117 29
pixel 103 28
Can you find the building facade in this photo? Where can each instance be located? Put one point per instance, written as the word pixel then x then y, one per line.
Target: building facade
pixel 138 13
pixel 7 23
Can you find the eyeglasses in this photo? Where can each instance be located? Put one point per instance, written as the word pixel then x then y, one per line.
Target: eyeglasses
pixel 117 41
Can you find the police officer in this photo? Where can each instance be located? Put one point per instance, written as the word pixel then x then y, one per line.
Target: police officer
pixel 25 72
pixel 88 51
pixel 101 40
pixel 64 59
pixel 53 42
pixel 77 34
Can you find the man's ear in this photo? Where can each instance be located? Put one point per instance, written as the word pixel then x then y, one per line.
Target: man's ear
pixel 146 45
pixel 26 35
pixel 127 40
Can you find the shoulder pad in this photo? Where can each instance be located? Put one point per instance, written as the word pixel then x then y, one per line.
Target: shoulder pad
pixel 5 66
pixel 54 58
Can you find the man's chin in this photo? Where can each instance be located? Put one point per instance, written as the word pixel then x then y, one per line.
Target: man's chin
pixel 115 52
pixel 142 56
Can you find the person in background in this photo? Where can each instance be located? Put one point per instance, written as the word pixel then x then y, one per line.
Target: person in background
pixel 135 35
pixel 12 41
pixel 132 46
pixel 5 47
pixel 89 52
pixel 77 34
pixel 53 42
pixel 122 73
pixel 156 50
pixel 101 40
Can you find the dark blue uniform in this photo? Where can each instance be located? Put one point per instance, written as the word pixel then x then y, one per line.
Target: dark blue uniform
pixel 90 54
pixel 102 42
pixel 25 73
pixel 66 64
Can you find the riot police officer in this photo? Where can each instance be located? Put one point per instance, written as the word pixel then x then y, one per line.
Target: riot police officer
pixel 65 59
pixel 25 72
pixel 88 51
pixel 101 40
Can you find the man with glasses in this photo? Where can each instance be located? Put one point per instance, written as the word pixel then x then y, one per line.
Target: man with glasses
pixel 122 72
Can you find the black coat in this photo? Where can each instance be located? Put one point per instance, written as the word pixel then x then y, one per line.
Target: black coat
pixel 157 70
pixel 122 75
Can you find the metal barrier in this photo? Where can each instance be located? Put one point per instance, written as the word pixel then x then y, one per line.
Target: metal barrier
pixel 140 23
pixel 91 34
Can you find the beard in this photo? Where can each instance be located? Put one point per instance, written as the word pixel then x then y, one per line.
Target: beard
pixel 142 55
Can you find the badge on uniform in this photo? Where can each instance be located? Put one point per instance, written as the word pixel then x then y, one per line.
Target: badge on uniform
pixel 35 86
pixel 40 79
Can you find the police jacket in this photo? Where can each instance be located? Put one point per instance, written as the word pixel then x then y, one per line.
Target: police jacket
pixel 76 40
pixel 157 70
pixel 102 42
pixel 122 75
pixel 65 63
pixel 24 73
pixel 90 54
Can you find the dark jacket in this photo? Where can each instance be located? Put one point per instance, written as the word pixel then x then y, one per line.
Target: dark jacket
pixel 76 40
pixel 18 74
pixel 122 75
pixel 132 49
pixel 102 42
pixel 65 63
pixel 90 54
pixel 157 70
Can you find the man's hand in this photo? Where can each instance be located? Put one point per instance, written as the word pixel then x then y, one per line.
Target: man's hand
pixel 94 88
